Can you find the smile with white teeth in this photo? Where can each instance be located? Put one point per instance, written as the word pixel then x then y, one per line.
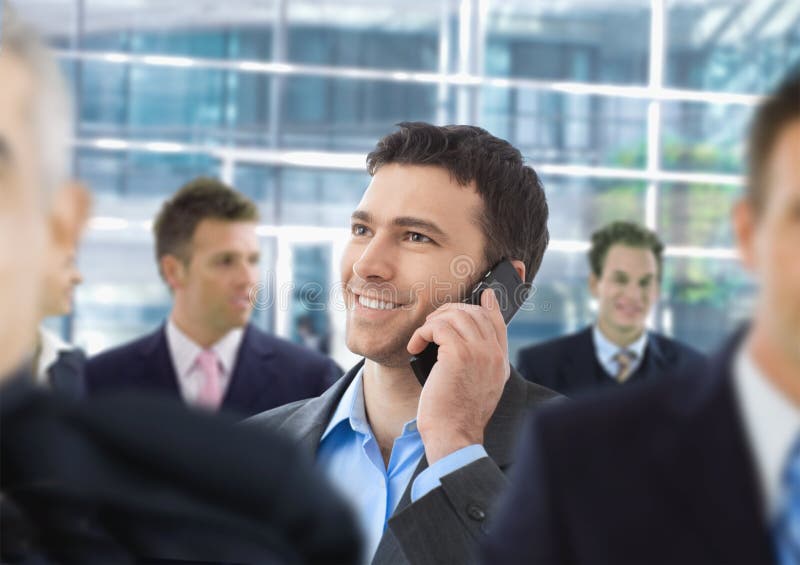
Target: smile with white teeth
pixel 376 304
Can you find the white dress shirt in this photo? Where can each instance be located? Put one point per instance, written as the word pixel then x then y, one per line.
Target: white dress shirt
pixel 605 349
pixel 50 345
pixel 183 352
pixel 771 423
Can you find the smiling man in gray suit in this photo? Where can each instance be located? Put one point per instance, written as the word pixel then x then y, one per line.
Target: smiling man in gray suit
pixel 422 465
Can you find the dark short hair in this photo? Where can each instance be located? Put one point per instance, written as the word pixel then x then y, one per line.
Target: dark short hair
pixel 200 199
pixel 623 233
pixel 779 109
pixel 514 218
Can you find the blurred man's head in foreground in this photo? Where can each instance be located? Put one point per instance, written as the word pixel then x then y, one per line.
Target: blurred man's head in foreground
pixel 767 220
pixel 38 205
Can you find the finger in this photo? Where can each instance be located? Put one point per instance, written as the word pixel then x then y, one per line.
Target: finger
pixel 451 306
pixel 490 303
pixel 472 325
pixel 433 332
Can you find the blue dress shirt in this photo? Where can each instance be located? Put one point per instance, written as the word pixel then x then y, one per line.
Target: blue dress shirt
pixel 351 458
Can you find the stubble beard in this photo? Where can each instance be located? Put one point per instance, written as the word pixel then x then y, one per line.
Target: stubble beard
pixel 392 352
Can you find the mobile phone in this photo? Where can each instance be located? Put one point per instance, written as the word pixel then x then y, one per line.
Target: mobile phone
pixel 511 293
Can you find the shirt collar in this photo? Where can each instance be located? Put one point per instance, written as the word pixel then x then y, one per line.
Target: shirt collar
pixel 607 349
pixel 185 351
pixel 771 422
pixel 352 409
pixel 51 346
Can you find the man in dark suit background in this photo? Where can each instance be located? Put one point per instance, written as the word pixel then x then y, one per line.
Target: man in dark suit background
pixel 207 353
pixel 704 468
pixel 122 480
pixel 626 264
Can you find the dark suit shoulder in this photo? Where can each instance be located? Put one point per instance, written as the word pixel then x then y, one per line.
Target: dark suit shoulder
pixel 677 350
pixel 537 395
pixel 642 408
pixel 553 347
pixel 274 418
pixel 105 367
pixel 291 357
pixel 236 496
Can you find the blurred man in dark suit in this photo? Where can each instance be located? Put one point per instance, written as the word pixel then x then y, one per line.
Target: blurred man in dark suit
pixel 120 480
pixel 207 354
pixel 699 469
pixel 626 264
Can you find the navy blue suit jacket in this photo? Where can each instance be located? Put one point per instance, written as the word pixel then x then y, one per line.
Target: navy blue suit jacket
pixel 67 374
pixel 659 473
pixel 269 371
pixel 569 364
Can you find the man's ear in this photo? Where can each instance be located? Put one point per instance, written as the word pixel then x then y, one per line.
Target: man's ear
pixel 744 225
pixel 69 213
pixel 520 268
pixel 174 271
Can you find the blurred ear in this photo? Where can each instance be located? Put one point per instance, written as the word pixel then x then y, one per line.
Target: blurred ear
pixel 70 210
pixel 174 271
pixel 520 268
pixel 744 224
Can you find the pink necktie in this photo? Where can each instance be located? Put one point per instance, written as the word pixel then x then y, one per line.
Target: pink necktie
pixel 210 394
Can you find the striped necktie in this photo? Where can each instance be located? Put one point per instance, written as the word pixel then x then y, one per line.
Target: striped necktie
pixel 624 359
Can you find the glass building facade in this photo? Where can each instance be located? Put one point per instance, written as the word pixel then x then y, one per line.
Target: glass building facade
pixel 633 109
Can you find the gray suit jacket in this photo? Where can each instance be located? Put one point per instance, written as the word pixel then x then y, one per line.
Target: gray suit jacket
pixel 445 525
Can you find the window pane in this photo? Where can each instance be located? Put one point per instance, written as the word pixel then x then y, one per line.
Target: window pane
pixel 350 115
pixel 179 28
pixel 125 173
pixel 309 318
pixel 696 214
pixel 320 198
pixel 260 185
pixel 55 20
pixel 731 45
pixel 146 102
pixel 383 35
pixel 117 304
pixel 706 299
pixel 568 129
pixel 580 206
pixel 570 40
pixel 559 303
pixel 704 137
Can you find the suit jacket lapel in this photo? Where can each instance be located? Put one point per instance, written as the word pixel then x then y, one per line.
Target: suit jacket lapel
pixel 578 370
pixel 66 375
pixel 654 363
pixel 251 374
pixel 308 422
pixel 715 489
pixel 158 372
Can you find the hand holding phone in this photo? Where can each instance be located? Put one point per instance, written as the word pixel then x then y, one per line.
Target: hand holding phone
pixel 468 377
pixel 511 293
